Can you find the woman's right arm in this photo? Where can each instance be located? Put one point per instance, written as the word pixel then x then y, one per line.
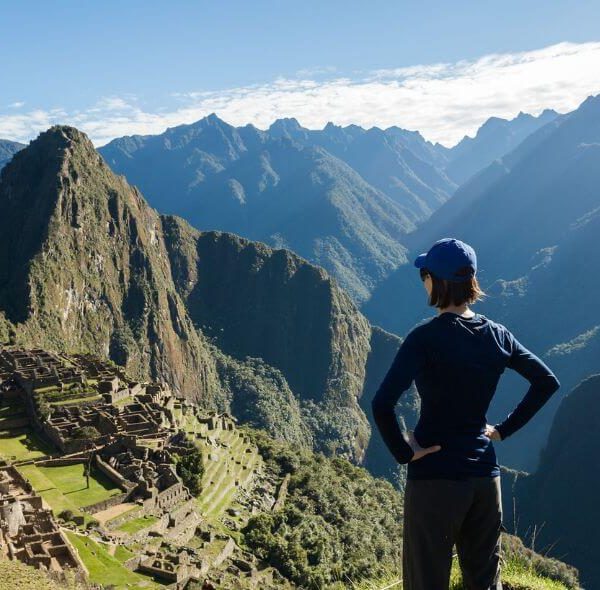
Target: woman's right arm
pixel 543 383
pixel 408 361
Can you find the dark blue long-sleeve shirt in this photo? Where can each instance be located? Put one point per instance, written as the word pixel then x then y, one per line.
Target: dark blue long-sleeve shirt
pixel 456 364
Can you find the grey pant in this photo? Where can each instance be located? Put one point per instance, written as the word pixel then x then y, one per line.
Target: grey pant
pixel 439 513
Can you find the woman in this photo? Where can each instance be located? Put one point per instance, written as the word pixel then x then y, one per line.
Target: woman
pixel 452 495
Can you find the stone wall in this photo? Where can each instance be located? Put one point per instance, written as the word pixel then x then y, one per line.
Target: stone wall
pixel 113 475
pixel 104 504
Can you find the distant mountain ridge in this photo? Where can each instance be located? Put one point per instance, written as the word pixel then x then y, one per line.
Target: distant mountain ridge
pixel 8 149
pixel 495 138
pixel 342 197
pixel 269 189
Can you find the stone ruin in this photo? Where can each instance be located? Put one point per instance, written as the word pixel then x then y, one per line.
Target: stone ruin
pixel 28 532
pixel 147 474
pixel 171 565
pixel 131 432
pixel 143 417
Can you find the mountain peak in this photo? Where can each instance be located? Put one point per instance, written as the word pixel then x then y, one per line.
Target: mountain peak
pixel 547 112
pixel 212 120
pixel 59 143
pixel 64 135
pixel 591 101
pixel 286 125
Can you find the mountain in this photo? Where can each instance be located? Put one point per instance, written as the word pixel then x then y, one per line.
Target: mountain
pixel 495 138
pixel 7 150
pixel 558 503
pixel 399 163
pixel 274 190
pixel 83 266
pixel 87 265
pixel 342 197
pixel 531 217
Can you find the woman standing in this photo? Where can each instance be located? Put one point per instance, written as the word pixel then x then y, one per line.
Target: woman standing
pixel 452 495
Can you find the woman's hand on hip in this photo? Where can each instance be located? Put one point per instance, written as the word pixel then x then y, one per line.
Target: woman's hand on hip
pixel 418 449
pixel 491 432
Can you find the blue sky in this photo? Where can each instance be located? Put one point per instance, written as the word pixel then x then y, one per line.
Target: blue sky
pixel 113 68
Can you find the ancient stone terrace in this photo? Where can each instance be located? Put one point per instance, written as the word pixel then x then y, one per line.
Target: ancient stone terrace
pixel 150 473
pixel 172 565
pixel 140 418
pixel 38 369
pixel 28 531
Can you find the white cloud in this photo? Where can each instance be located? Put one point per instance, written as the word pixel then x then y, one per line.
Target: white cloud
pixel 16 105
pixel 445 101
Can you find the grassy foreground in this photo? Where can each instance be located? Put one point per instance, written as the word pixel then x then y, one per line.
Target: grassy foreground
pixel 515 576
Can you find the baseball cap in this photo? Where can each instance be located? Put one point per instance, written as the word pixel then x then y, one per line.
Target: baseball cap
pixel 446 257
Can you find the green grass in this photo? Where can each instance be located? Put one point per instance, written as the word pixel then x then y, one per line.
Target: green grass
pixel 64 488
pixel 76 400
pixel 137 524
pixel 514 575
pixel 47 389
pixel 131 511
pixel 122 553
pixel 24 446
pixel 104 568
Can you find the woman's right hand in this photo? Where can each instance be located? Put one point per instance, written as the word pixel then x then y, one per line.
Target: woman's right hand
pixel 491 432
pixel 418 449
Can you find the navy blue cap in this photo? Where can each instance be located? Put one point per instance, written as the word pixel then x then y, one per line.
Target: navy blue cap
pixel 446 257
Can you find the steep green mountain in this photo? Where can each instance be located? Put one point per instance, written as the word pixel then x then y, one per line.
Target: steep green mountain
pixel 558 504
pixel 7 150
pixel 86 265
pixel 83 266
pixel 271 304
pixel 532 218
pixel 274 190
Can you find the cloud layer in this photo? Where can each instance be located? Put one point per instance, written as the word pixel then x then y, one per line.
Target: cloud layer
pixel 444 101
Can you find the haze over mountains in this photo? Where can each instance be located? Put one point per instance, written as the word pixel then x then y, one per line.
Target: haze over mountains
pixel 344 198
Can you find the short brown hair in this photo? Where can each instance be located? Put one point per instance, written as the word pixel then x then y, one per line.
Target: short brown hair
pixel 445 293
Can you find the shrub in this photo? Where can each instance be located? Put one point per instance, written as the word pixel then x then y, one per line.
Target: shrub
pixel 66 515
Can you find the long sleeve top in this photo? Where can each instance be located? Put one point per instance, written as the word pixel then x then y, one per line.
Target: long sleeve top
pixel 456 364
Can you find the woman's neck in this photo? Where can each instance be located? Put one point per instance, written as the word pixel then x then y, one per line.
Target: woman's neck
pixel 463 310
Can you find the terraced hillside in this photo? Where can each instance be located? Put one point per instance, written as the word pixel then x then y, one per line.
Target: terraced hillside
pixel 230 460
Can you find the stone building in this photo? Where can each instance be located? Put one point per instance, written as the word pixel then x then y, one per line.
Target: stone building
pixel 28 531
